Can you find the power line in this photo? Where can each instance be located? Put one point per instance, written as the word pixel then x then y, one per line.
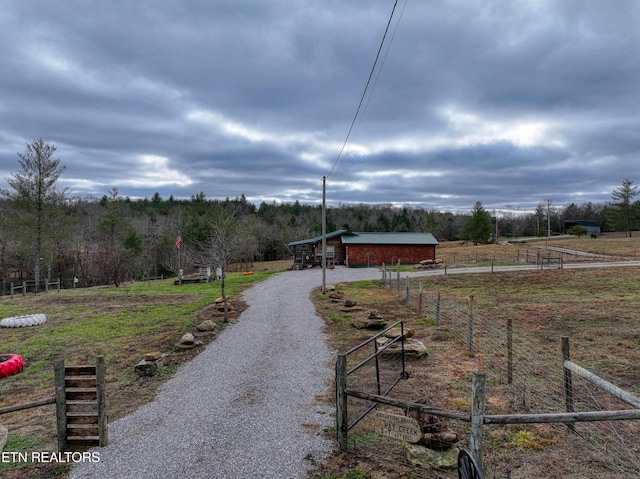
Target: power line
pixel 364 93
pixel 384 59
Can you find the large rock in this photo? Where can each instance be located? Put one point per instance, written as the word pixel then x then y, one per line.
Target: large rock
pixel 152 356
pixel 413 349
pixel 146 368
pixel 206 325
pixel 397 331
pixel 360 323
pixel 188 341
pixel 336 296
pixel 431 459
pixel 149 365
pixel 220 306
pixel 439 441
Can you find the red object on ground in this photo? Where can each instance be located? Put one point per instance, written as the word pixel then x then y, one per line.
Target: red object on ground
pixel 10 364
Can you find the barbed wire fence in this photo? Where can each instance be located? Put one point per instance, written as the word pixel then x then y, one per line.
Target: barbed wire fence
pixel 525 375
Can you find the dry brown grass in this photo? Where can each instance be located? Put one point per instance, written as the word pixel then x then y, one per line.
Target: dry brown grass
pixel 613 244
pixel 596 308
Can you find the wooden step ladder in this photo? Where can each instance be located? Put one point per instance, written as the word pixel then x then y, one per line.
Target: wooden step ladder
pixel 81 405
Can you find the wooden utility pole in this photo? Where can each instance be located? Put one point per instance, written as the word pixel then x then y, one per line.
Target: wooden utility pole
pixel 324 234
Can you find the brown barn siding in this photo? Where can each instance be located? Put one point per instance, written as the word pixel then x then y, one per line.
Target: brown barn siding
pixel 390 254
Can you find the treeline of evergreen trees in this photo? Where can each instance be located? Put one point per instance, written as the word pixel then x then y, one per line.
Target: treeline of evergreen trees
pixel 114 238
pixel 45 235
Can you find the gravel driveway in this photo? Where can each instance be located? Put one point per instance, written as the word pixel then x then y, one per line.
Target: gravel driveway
pixel 243 408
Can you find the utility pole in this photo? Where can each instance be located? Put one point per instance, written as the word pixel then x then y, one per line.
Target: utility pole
pixel 548 219
pixel 324 234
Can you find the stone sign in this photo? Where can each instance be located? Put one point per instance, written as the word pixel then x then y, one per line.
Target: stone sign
pixel 398 427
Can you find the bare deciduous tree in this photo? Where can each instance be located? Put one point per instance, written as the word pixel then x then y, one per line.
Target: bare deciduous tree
pixel 225 241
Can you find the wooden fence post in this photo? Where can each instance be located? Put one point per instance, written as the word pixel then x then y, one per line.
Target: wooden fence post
pixel 568 385
pixel 420 291
pixel 407 289
pixel 61 405
pixel 341 401
pixel 477 415
pixel 470 326
pixel 102 401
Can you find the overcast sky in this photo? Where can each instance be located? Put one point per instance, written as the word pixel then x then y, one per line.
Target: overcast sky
pixel 507 102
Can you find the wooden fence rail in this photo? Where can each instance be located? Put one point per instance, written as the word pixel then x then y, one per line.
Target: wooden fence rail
pixel 27 405
pixel 22 287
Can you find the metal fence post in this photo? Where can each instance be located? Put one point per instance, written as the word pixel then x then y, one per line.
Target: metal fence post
pixel 470 325
pixel 568 384
pixel 509 351
pixel 438 319
pixel 342 424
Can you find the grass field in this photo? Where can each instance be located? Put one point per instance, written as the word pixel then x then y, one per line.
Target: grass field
pixel 609 244
pixel 121 324
pixel 596 308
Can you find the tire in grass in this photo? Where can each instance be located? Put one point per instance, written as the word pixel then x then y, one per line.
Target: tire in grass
pixel 23 321
pixel 10 364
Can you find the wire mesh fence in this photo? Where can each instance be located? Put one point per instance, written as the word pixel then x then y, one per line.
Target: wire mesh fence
pixel 525 375
pixel 540 256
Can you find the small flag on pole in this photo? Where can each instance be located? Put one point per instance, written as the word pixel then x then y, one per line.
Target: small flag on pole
pixel 178 241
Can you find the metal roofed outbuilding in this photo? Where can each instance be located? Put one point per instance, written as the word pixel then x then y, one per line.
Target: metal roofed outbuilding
pixel 365 249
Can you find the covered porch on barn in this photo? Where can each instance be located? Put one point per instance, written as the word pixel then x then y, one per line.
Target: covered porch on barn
pixel 308 253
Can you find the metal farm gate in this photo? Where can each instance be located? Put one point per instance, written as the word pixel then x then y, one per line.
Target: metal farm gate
pixel 380 368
